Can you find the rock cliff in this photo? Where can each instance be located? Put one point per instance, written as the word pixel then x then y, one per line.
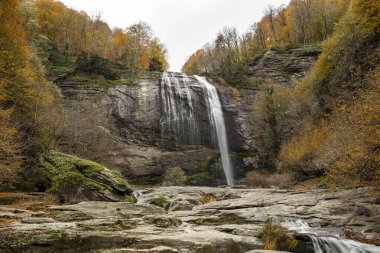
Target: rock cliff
pixel 122 126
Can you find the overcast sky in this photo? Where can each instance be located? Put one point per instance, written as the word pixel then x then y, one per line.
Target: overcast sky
pixel 182 25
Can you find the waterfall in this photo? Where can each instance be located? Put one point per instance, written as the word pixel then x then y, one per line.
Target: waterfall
pixel 217 125
pixel 177 108
pixel 330 244
pixel 178 119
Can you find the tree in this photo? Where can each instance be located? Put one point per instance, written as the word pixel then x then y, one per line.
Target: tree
pixel 270 12
pixel 339 137
pixel 14 72
pixel 158 53
pixel 274 122
pixel 28 103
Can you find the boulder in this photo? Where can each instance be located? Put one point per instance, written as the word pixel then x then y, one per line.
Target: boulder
pixel 74 179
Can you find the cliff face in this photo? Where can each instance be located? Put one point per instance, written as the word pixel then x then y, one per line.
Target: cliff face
pixel 122 127
pixel 284 68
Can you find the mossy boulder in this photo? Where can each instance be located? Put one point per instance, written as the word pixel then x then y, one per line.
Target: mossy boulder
pixel 74 179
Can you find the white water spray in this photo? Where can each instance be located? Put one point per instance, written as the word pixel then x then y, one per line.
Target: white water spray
pixel 330 244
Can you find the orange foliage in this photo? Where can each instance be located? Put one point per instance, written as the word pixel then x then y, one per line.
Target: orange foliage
pixel 300 22
pixel 192 65
pixel 356 129
pixel 75 32
pixel 14 71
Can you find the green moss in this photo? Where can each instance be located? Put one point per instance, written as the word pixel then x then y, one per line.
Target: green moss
pixel 57 234
pixel 119 178
pixel 97 81
pixel 160 201
pixel 199 178
pixel 130 199
pixel 61 71
pixel 163 222
pixel 309 49
pixel 63 168
pixel 206 221
pixel 242 154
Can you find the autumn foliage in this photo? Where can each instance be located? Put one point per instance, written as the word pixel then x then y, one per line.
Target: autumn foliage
pixel 328 124
pixel 38 38
pixel 301 22
pixel 14 72
pixel 30 111
pixel 75 33
pixel 341 137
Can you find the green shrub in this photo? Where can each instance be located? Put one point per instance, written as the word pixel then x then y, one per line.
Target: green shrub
pixel 312 49
pixel 201 178
pixel 276 237
pixel 35 179
pixel 163 222
pixel 160 201
pixel 174 177
pixel 94 64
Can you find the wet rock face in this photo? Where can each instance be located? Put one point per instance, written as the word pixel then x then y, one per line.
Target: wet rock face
pixel 122 128
pixel 135 111
pixel 125 127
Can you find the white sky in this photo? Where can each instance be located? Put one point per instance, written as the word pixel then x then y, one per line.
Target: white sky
pixel 182 25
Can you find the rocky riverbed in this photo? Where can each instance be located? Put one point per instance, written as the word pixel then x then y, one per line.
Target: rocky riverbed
pixel 186 219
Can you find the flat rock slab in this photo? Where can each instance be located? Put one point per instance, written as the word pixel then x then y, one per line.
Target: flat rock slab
pixel 159 249
pixel 266 251
pixel 8 215
pixel 38 220
pixel 184 222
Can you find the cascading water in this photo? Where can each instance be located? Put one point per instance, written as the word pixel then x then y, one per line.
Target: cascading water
pixel 330 244
pixel 218 126
pixel 178 112
pixel 178 116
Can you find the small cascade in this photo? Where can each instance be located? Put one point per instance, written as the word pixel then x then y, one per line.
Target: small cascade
pixel 330 244
pixel 177 108
pixel 218 126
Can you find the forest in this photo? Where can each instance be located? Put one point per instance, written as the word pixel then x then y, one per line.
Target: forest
pixel 266 141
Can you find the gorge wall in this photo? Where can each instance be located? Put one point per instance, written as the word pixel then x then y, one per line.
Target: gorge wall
pixel 123 127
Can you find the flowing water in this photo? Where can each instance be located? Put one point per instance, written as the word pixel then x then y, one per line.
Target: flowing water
pixel 178 112
pixel 218 126
pixel 330 244
pixel 178 117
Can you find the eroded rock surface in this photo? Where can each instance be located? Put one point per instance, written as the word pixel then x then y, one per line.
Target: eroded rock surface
pixel 187 219
pixel 283 68
pixel 122 126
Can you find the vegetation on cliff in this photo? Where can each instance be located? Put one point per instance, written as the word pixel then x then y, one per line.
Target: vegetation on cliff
pixel 44 40
pixel 339 130
pixel 30 111
pixel 300 23
pixel 327 124
pixel 74 33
